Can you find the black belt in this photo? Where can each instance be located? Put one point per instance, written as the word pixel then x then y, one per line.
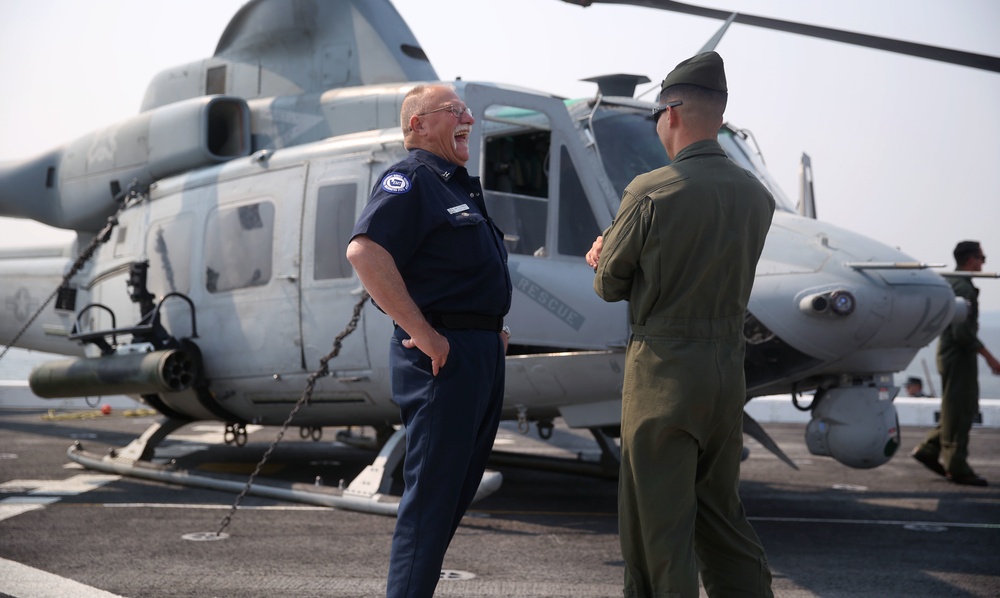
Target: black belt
pixel 466 321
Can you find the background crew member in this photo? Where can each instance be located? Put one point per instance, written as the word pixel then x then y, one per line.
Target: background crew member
pixel 915 387
pixel 682 250
pixel 432 259
pixel 957 361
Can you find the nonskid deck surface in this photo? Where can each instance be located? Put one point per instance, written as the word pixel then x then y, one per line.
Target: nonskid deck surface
pixel 828 530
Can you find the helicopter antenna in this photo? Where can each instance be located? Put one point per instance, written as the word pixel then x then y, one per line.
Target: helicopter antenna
pixel 708 47
pixel 807 196
pixel 714 41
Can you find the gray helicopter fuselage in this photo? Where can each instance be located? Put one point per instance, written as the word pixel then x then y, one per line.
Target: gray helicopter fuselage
pixel 257 244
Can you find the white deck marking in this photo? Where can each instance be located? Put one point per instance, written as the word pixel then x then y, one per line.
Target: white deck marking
pixel 77 484
pixel 972 525
pixel 22 581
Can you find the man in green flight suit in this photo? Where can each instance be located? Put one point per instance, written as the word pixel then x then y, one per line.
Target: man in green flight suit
pixel 957 355
pixel 682 250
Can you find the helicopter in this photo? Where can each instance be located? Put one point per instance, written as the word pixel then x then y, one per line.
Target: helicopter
pixel 220 214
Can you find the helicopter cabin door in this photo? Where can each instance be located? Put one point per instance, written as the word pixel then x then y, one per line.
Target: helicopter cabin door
pixel 543 191
pixel 247 286
pixel 330 289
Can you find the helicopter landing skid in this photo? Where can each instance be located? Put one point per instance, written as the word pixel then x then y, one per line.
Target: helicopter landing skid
pixel 606 467
pixel 367 493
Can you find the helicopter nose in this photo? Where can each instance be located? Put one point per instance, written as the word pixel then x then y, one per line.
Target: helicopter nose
pixel 917 313
pixel 858 305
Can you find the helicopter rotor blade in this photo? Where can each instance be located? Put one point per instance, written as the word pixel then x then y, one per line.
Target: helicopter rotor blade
pixel 714 41
pixel 959 57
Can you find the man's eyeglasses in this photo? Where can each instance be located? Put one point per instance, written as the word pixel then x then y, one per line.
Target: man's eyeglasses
pixel 456 111
pixel 981 256
pixel 659 110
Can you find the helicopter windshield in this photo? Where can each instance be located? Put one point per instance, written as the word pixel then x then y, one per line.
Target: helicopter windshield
pixel 628 147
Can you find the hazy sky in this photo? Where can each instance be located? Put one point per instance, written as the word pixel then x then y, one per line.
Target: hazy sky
pixel 904 150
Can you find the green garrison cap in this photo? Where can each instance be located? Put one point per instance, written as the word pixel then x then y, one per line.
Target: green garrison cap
pixel 705 70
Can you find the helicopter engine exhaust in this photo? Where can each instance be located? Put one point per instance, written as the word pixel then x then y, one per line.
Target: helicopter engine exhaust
pixel 75 186
pixel 129 374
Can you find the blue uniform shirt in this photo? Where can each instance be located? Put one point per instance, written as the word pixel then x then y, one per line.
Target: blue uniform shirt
pixel 430 216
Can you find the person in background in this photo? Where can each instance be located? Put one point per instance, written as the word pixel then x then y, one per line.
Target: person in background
pixel 430 256
pixel 914 387
pixel 945 451
pixel 682 250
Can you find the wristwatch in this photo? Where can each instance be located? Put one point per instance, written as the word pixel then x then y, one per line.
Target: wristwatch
pixel 506 330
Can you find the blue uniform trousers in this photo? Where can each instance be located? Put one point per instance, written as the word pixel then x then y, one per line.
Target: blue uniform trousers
pixel 451 422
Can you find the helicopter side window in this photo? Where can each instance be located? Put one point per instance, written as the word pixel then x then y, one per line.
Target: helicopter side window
pixel 516 183
pixel 334 224
pixel 238 245
pixel 122 248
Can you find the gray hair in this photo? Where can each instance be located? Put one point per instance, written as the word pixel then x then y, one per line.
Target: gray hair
pixel 415 102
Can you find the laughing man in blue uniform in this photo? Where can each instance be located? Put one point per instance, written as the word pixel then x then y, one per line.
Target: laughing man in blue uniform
pixel 432 259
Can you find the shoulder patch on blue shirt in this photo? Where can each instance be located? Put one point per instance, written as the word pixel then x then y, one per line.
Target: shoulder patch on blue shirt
pixel 395 182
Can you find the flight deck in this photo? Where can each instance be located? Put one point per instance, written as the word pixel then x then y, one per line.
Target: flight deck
pixel 829 530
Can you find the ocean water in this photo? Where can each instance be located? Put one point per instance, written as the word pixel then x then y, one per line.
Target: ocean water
pixel 17 363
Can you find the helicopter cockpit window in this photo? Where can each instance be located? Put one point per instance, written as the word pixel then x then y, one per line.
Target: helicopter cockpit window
pixel 515 176
pixel 628 145
pixel 334 224
pixel 734 151
pixel 238 245
pixel 738 151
